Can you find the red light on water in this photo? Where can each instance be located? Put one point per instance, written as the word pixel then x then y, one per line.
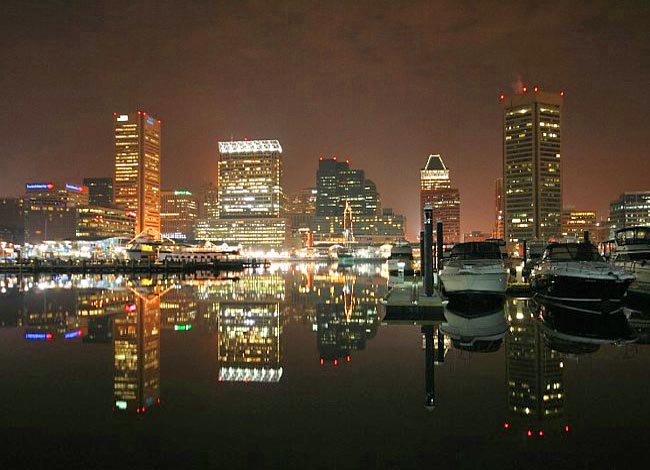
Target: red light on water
pixel 561 93
pixel 506 425
pixel 334 158
pixel 48 336
pixel 566 428
pixel 541 433
pixel 502 97
pixel 536 89
pixel 322 361
pixel 336 362
pixel 348 358
pixel 530 433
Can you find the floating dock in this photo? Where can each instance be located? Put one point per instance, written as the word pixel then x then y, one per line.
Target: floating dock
pixel 406 302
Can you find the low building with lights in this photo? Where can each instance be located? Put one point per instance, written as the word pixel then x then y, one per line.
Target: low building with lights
pixel 51 210
pixel 576 222
pixel 98 223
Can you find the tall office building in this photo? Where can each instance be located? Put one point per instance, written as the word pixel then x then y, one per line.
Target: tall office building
pixel 51 210
pixel 575 223
pixel 629 210
pixel 100 191
pixel 435 189
pixel 249 196
pixel 137 168
pixel 499 225
pixel 178 214
pixel 532 174
pixel 338 186
pixel 12 220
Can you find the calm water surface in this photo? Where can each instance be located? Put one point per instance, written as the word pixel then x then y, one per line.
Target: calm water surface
pixel 298 367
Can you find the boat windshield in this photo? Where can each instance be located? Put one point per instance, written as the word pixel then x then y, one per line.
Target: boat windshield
pixel 572 252
pixel 633 236
pixel 476 250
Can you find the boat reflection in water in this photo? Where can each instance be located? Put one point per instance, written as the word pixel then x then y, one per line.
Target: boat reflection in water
pixel 534 374
pixel 573 332
pixel 475 327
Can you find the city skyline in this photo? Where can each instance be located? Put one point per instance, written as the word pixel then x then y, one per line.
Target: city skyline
pixel 323 93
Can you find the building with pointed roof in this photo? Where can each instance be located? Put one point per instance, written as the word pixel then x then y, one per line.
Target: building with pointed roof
pixel 435 189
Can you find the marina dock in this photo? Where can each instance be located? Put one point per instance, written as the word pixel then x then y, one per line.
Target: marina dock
pixel 407 302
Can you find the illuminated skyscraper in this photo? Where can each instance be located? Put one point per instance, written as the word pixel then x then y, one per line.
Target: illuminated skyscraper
pixel 435 189
pixel 137 168
pixel 532 174
pixel 178 214
pixel 575 223
pixel 499 226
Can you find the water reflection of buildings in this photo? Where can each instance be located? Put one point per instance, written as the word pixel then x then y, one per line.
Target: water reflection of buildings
pixel 534 373
pixel 346 313
pixel 137 352
pixel 249 326
pixel 179 308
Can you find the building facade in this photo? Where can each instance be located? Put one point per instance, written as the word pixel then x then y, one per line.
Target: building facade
pixel 136 186
pixel 51 211
pixel 178 214
pixel 436 189
pixel 100 191
pixel 629 210
pixel 576 222
pixel 97 223
pixel 532 176
pixel 12 220
pixel 499 222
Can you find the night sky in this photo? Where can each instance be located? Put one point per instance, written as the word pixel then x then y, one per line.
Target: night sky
pixel 383 83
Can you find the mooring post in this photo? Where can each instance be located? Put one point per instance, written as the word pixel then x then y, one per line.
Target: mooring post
pixel 439 244
pixel 428 250
pixel 586 237
pixel 429 377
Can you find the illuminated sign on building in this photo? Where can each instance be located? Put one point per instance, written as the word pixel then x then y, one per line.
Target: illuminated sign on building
pixel 72 187
pixel 39 186
pixel 123 117
pixel 150 121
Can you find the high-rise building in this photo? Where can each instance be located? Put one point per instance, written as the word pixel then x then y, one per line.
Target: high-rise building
pixel 338 186
pixel 51 210
pixel 178 214
pixel 435 189
pixel 575 223
pixel 532 176
pixel 137 168
pixel 629 210
pixel 300 208
pixel 12 220
pixel 476 236
pixel 100 191
pixel 499 226
pixel 97 223
pixel 249 196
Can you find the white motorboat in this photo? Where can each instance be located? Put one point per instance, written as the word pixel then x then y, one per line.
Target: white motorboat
pixel 400 260
pixel 474 268
pixel 206 253
pixel 575 276
pixel 632 253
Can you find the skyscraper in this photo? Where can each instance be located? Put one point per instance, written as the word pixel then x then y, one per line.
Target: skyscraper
pixel 435 189
pixel 249 196
pixel 137 168
pixel 179 212
pixel 531 165
pixel 100 191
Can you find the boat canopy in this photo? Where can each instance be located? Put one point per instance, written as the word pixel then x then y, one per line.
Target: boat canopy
pixel 476 250
pixel 572 252
pixel 633 236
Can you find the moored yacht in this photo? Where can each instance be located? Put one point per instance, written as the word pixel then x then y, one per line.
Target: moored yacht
pixel 575 276
pixel 474 268
pixel 633 254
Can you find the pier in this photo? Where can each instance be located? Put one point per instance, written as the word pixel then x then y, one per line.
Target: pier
pixel 128 267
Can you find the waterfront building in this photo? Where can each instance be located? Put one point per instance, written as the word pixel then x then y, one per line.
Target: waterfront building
pixel 299 209
pixel 477 236
pixel 209 202
pixel 97 223
pixel 12 220
pixel 532 176
pixel 499 222
pixel 630 209
pixel 100 191
pixel 338 186
pixel 576 222
pixel 51 210
pixel 436 189
pixel 136 184
pixel 178 214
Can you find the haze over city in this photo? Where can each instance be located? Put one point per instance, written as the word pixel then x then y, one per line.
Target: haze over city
pixel 384 84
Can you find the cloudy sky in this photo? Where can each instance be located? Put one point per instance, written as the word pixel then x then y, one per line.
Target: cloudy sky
pixel 383 83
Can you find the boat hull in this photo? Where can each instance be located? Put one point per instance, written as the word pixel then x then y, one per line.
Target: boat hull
pixel 581 293
pixel 459 282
